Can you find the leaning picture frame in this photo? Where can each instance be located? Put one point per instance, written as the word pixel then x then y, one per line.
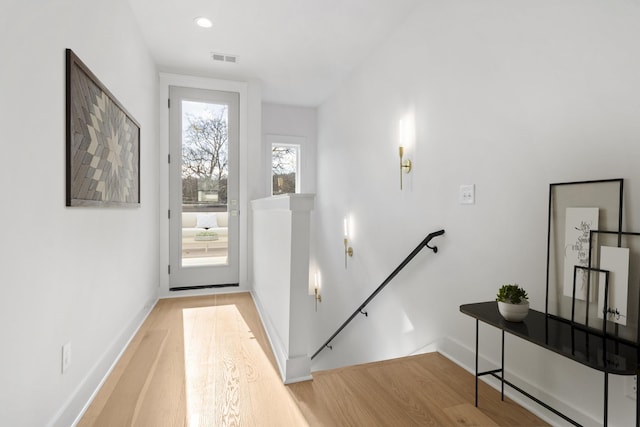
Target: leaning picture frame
pixel 102 143
pixel 627 282
pixel 570 220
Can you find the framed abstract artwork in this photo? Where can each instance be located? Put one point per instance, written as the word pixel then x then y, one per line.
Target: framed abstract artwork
pixel 102 143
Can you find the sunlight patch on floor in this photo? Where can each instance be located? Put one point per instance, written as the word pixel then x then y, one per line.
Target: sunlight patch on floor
pixel 227 373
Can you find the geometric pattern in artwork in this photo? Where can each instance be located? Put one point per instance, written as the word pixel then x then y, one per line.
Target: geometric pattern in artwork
pixel 105 147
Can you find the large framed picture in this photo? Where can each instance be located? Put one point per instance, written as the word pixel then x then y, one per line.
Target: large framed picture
pixel 576 209
pixel 103 143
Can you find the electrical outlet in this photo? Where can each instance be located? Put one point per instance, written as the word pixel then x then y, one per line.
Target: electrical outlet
pixel 631 387
pixel 467 194
pixel 66 357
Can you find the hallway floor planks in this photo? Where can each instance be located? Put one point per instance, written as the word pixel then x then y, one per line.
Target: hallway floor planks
pixel 423 390
pixel 231 379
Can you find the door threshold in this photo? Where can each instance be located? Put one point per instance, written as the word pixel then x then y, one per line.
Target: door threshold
pixel 189 288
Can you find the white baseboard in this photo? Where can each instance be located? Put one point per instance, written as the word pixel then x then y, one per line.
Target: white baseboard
pixel 298 369
pixel 79 401
pixel 429 348
pixel 464 356
pixel 278 351
pixel 292 370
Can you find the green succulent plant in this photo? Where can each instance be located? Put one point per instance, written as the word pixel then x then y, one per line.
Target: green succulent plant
pixel 513 294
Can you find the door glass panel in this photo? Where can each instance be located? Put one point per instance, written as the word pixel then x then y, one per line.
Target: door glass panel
pixel 203 188
pixel 205 172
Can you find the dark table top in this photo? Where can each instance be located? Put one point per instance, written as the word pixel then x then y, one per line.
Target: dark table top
pixel 560 336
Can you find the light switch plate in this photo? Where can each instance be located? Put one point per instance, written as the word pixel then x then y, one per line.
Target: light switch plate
pixel 467 195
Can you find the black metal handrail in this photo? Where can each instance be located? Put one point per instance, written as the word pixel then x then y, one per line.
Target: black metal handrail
pixel 359 310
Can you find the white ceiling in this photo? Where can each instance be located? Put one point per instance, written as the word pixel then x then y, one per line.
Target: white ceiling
pixel 299 50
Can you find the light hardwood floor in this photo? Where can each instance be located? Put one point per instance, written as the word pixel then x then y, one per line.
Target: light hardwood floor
pixel 206 361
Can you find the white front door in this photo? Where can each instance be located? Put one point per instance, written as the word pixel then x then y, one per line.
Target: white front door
pixel 203 188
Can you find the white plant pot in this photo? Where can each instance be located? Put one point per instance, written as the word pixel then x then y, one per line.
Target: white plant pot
pixel 513 312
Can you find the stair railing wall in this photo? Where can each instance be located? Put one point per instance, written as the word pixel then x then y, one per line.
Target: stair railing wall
pixel 280 257
pixel 360 309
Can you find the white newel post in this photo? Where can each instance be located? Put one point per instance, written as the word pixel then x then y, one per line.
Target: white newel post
pixel 281 242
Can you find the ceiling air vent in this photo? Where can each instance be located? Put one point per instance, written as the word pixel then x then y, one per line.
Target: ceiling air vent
pixel 223 57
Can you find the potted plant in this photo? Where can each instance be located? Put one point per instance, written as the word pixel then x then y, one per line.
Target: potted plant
pixel 513 303
pixel 206 236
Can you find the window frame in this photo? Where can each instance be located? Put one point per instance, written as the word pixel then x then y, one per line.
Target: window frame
pixel 286 141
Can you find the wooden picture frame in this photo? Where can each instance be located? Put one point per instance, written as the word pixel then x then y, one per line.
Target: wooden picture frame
pixel 102 143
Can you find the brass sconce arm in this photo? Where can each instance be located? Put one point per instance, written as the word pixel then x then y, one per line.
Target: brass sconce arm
pixel 348 251
pixel 405 165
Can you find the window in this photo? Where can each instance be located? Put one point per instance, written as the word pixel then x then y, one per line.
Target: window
pixel 285 173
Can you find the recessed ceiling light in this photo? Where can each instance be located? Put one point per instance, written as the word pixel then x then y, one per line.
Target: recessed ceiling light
pixel 203 22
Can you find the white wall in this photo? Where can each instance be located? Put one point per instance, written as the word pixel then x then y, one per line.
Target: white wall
pixel 81 275
pixel 507 95
pixel 291 121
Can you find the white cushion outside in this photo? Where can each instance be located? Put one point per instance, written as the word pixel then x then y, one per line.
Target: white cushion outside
pixel 207 220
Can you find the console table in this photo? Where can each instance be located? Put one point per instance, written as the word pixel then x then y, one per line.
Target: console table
pixel 588 347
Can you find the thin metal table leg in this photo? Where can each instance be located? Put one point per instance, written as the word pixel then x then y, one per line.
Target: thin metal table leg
pixel 477 330
pixel 606 398
pixel 502 368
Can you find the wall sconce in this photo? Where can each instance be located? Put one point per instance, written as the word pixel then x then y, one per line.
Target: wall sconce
pixel 316 290
pixel 405 165
pixel 348 250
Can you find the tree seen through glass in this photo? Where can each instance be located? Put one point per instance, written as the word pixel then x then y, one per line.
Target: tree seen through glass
pixel 205 154
pixel 284 167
